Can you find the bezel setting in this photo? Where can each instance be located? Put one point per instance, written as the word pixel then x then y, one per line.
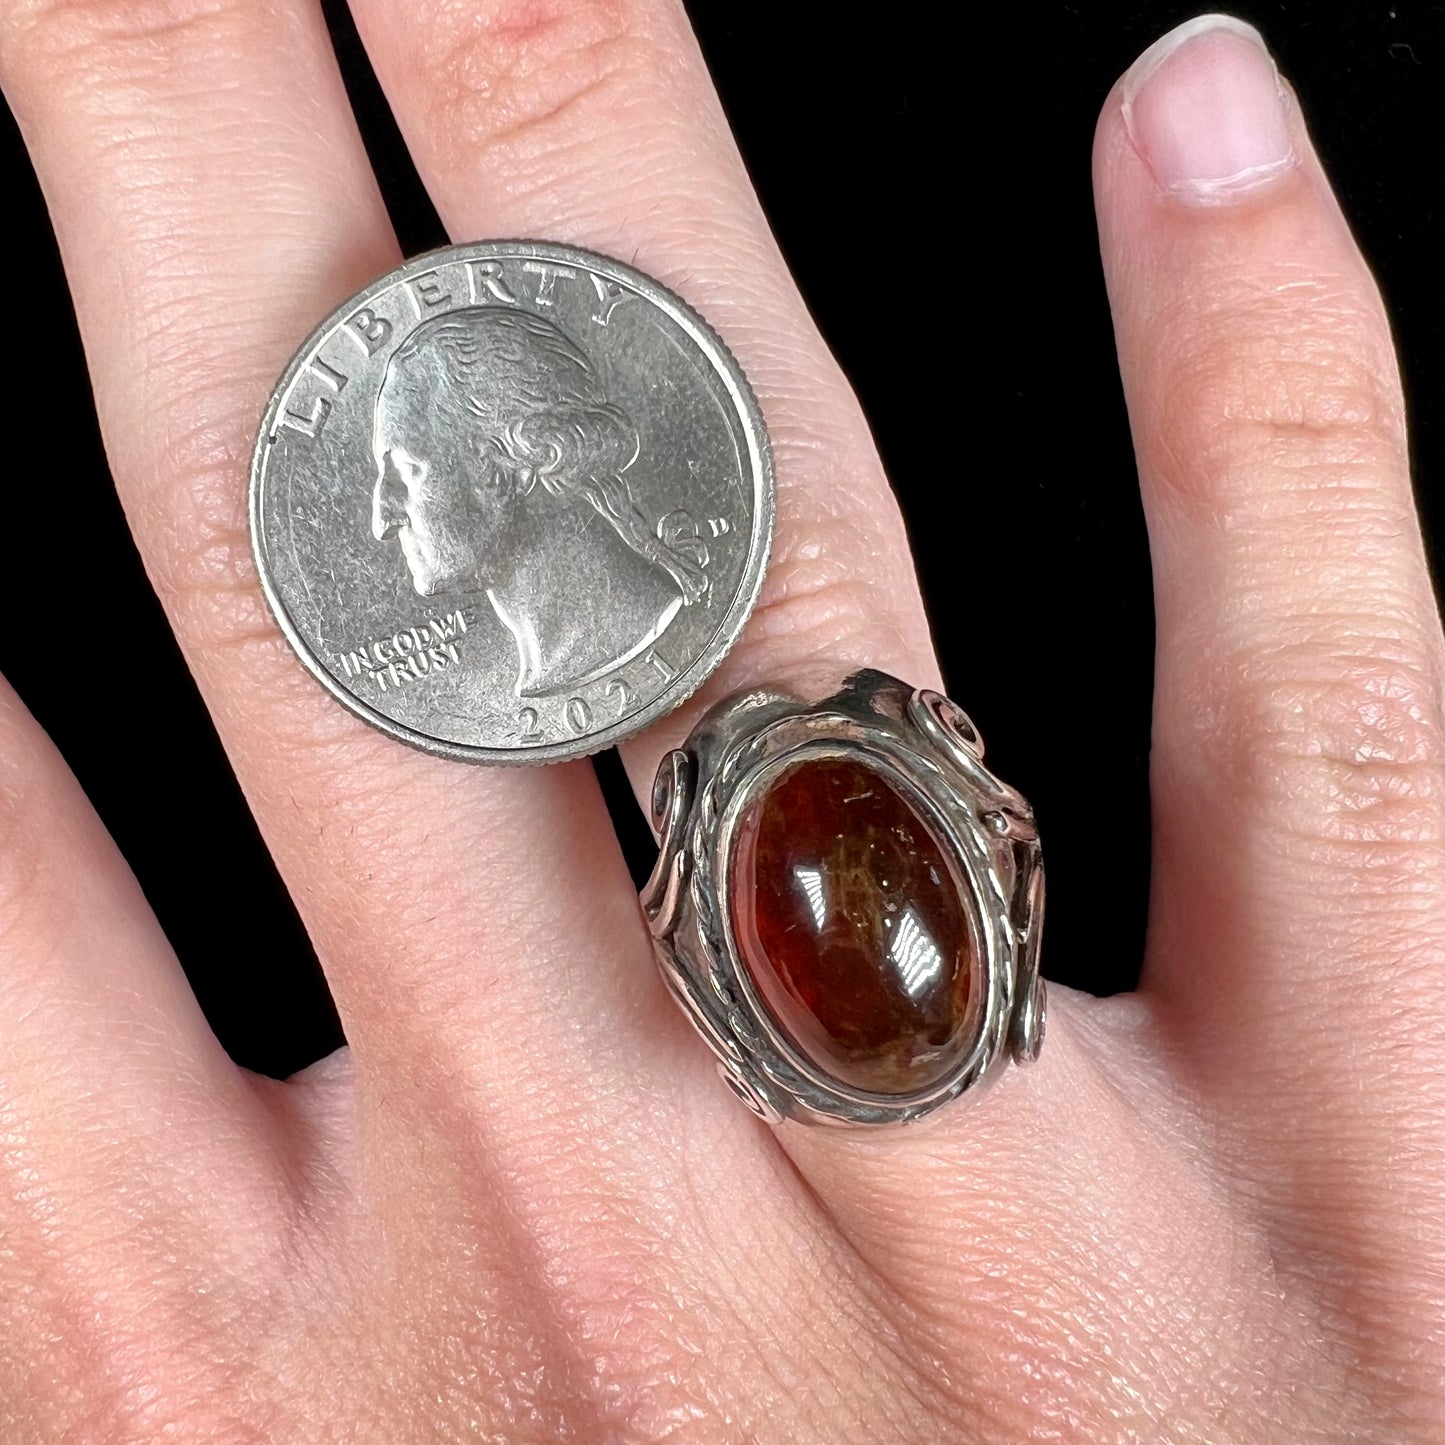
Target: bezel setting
pixel 925 747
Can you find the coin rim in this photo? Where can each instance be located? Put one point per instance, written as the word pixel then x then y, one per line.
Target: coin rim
pixel 755 567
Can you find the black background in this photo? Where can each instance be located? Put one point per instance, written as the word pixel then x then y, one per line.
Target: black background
pixel 916 161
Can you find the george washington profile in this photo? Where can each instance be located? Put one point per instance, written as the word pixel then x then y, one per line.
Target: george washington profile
pixel 501 468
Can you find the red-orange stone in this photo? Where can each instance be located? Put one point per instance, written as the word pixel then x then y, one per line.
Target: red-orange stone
pixel 851 923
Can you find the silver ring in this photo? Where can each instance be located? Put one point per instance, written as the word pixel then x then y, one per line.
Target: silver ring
pixel 846 903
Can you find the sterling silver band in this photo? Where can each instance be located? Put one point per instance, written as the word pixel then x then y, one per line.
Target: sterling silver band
pixel 928 751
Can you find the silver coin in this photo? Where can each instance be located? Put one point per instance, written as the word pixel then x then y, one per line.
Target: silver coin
pixel 512 502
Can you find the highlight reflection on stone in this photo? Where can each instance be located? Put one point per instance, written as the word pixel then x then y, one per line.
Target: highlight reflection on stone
pixel 851 924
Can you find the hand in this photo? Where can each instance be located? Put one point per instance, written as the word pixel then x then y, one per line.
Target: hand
pixel 520 1207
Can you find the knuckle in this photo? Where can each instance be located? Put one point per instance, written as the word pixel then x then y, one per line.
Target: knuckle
pixel 52 33
pixel 833 587
pixel 203 542
pixel 814 614
pixel 1343 745
pixel 515 70
pixel 1301 383
pixel 199 540
pixel 186 463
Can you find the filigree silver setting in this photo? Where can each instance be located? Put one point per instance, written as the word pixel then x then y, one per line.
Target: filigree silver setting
pixel 928 749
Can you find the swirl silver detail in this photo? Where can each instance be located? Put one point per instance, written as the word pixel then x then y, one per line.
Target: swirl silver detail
pixel 925 744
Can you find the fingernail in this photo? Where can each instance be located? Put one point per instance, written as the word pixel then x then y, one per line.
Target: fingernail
pixel 1205 111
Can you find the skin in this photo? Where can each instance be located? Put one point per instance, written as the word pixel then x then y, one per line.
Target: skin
pixel 519 1208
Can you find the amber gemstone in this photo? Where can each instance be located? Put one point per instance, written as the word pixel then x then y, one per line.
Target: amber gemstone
pixel 850 921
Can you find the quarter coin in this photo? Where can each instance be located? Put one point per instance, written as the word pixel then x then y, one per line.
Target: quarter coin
pixel 512 502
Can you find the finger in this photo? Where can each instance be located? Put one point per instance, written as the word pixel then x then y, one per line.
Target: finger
pixel 90 992
pixel 597 124
pixel 213 201
pixel 1297 727
pixel 1299 886
pixel 123 1125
